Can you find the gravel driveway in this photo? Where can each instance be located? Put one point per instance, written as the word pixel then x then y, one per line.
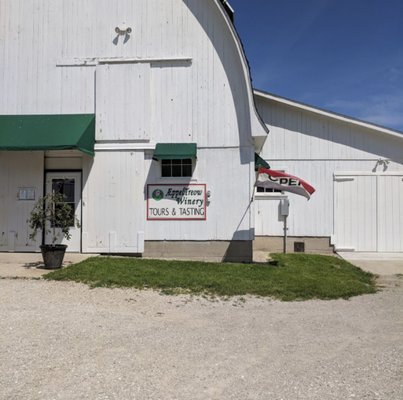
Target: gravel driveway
pixel 65 341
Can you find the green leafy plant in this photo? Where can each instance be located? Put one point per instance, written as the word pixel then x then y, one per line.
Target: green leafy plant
pixel 52 215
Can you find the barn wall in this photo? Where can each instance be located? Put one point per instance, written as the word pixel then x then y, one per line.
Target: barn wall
pixel 114 196
pixel 297 134
pixel 185 80
pixel 18 170
pixel 178 77
pixel 314 147
pixel 229 210
pixel 113 202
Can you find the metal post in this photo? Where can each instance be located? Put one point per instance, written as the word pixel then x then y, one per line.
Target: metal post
pixel 285 235
pixel 284 211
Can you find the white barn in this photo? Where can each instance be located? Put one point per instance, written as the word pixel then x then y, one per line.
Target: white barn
pixel 141 112
pixel 357 171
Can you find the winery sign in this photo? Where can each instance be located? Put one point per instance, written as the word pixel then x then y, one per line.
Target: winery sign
pixel 176 202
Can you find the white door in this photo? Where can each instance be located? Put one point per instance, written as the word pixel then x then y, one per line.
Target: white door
pixel 355 213
pixel 390 213
pixel 368 213
pixel 68 184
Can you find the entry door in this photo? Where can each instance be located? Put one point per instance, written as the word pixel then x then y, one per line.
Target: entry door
pixel 68 184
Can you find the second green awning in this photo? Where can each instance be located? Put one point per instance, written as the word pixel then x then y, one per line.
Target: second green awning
pixel 48 132
pixel 259 162
pixel 175 151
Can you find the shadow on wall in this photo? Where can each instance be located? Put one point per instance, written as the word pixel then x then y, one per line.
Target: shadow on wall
pixel 240 240
pixel 239 250
pixel 233 67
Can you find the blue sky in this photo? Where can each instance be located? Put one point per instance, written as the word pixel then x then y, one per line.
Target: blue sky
pixel 342 55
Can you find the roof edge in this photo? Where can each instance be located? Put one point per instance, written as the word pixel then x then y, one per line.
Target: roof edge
pixel 246 66
pixel 229 9
pixel 331 114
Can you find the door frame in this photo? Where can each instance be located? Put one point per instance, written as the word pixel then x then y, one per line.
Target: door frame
pixel 67 171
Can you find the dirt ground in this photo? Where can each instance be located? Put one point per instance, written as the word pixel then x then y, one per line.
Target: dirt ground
pixel 65 341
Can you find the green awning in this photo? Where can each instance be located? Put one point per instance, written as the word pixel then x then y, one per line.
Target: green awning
pixel 48 132
pixel 259 162
pixel 175 151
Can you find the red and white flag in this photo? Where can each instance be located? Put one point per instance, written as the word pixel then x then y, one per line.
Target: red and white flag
pixel 268 178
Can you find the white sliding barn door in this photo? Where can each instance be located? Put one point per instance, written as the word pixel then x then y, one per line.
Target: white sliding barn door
pixel 390 213
pixel 368 213
pixel 355 213
pixel 123 102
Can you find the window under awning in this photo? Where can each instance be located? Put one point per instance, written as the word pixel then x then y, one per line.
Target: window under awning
pixel 175 151
pixel 48 132
pixel 259 162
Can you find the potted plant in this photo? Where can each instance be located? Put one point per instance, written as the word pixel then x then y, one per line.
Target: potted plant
pixel 52 215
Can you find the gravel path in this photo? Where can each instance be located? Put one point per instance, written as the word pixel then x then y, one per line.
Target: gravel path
pixel 65 341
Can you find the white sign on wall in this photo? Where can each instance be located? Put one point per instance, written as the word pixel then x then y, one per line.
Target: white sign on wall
pixel 26 193
pixel 176 202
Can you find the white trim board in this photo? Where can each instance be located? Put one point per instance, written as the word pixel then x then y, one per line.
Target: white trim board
pixel 91 62
pixel 366 173
pixel 123 146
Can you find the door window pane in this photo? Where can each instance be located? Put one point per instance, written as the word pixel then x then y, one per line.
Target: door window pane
pixel 66 187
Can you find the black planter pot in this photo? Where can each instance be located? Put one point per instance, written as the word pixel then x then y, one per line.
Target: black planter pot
pixel 53 255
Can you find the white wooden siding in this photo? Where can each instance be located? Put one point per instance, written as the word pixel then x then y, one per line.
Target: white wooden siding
pixel 64 160
pixel 64 57
pixel 4 193
pixel 171 108
pixel 296 134
pixel 313 217
pixel 390 213
pixel 369 212
pixel 230 210
pixel 355 219
pixel 113 212
pixel 123 102
pixel 77 88
pixel 201 95
pixel 18 170
pixel 315 147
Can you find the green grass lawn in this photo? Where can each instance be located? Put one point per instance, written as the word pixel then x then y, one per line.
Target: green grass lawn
pixel 295 277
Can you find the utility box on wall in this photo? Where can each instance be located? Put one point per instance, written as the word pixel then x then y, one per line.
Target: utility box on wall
pixel 284 207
